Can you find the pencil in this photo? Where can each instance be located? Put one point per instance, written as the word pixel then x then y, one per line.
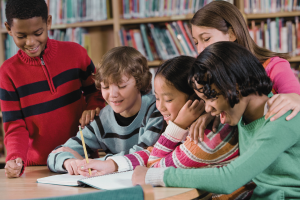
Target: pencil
pixel 84 149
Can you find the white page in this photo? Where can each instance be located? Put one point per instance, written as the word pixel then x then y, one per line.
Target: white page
pixel 110 181
pixel 61 179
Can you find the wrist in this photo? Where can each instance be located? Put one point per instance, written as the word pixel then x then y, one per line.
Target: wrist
pixel 181 123
pixel 113 165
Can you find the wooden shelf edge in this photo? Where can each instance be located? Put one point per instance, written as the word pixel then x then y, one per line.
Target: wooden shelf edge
pixel 154 63
pixel 294 59
pixel 2 160
pixel 156 19
pixel 74 25
pixel 272 15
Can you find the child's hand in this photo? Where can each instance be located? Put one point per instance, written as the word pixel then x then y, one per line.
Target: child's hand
pixel 189 113
pixel 98 167
pixel 279 104
pixel 71 166
pixel 13 168
pixel 139 175
pixel 198 127
pixel 68 149
pixel 88 116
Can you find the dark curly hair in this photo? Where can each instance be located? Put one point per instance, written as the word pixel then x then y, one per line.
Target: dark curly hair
pixel 25 9
pixel 176 71
pixel 124 60
pixel 233 69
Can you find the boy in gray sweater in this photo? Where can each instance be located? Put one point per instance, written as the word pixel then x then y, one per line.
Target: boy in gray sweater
pixel 129 123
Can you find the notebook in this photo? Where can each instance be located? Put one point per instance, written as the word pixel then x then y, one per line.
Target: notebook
pixel 105 182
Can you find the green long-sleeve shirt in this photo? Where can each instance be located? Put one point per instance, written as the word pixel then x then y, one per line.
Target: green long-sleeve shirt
pixel 269 155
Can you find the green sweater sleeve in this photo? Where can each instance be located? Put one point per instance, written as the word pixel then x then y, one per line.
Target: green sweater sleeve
pixel 263 148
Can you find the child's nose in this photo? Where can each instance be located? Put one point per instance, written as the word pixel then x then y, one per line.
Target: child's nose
pixel 200 48
pixel 160 106
pixel 29 41
pixel 114 91
pixel 208 108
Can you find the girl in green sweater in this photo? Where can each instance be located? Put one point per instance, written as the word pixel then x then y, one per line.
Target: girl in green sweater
pixel 235 86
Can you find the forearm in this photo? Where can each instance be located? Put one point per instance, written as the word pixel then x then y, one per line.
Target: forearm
pixel 130 161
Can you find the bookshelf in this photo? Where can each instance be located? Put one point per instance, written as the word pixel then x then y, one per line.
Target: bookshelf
pixel 105 34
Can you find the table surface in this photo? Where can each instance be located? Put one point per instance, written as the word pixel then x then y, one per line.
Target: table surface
pixel 26 187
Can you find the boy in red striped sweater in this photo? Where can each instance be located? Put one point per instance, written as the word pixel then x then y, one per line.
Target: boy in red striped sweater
pixel 44 90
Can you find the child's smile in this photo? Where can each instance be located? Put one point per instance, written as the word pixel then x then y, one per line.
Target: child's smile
pixel 30 35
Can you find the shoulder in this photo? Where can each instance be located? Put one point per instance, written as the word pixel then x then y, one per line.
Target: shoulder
pixel 275 62
pixel 289 127
pixel 71 46
pixel 149 99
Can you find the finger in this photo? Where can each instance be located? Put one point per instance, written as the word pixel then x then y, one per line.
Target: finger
pixel 87 118
pixel 192 131
pixel 195 104
pixel 275 103
pixel 196 131
pixel 272 99
pixel 69 169
pixel 97 111
pixel 12 172
pixel 275 111
pixel 74 167
pixel 93 112
pixel 201 132
pixel 82 119
pixel 292 115
pixel 216 124
pixel 188 103
pixel 279 114
pixel 13 165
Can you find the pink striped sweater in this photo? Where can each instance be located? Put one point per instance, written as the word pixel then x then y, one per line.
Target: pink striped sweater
pixel 216 149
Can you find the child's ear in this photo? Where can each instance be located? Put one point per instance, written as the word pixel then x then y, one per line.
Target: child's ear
pixel 49 22
pixel 232 36
pixel 8 28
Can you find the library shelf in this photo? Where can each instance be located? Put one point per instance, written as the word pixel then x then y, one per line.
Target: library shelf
pixel 155 63
pixel 271 15
pixel 2 160
pixel 156 19
pixel 294 59
pixel 74 25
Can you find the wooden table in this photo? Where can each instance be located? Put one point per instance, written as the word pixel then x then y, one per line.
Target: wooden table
pixel 26 187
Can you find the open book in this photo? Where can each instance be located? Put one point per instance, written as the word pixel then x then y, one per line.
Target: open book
pixel 104 182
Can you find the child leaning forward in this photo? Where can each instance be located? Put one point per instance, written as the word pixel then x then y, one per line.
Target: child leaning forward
pixel 129 123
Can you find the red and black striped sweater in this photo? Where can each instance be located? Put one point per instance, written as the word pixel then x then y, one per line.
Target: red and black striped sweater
pixel 42 99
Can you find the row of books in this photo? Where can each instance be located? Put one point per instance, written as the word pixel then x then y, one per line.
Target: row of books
pixel 270 6
pixel 278 35
pixel 160 42
pixel 158 8
pixel 71 11
pixel 78 35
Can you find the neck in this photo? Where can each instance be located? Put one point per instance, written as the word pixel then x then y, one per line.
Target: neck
pixel 255 108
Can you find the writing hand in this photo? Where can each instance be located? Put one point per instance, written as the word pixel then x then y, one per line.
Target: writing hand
pixel 139 175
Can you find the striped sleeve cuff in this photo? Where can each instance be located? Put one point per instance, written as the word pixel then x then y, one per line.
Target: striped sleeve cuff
pixel 155 176
pixel 175 131
pixel 122 163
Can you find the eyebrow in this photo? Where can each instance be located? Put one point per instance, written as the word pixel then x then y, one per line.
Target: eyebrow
pixel 166 94
pixel 34 31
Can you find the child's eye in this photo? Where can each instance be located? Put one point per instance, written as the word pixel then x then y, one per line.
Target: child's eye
pixel 122 86
pixel 38 34
pixel 20 37
pixel 168 101
pixel 104 88
pixel 205 40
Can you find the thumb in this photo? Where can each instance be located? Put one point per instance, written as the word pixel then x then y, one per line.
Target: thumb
pixel 19 161
pixel 97 111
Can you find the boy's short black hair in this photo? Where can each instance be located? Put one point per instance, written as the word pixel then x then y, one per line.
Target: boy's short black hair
pixel 25 9
pixel 233 69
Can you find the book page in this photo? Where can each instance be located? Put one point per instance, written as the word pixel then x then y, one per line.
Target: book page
pixel 110 181
pixel 61 179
